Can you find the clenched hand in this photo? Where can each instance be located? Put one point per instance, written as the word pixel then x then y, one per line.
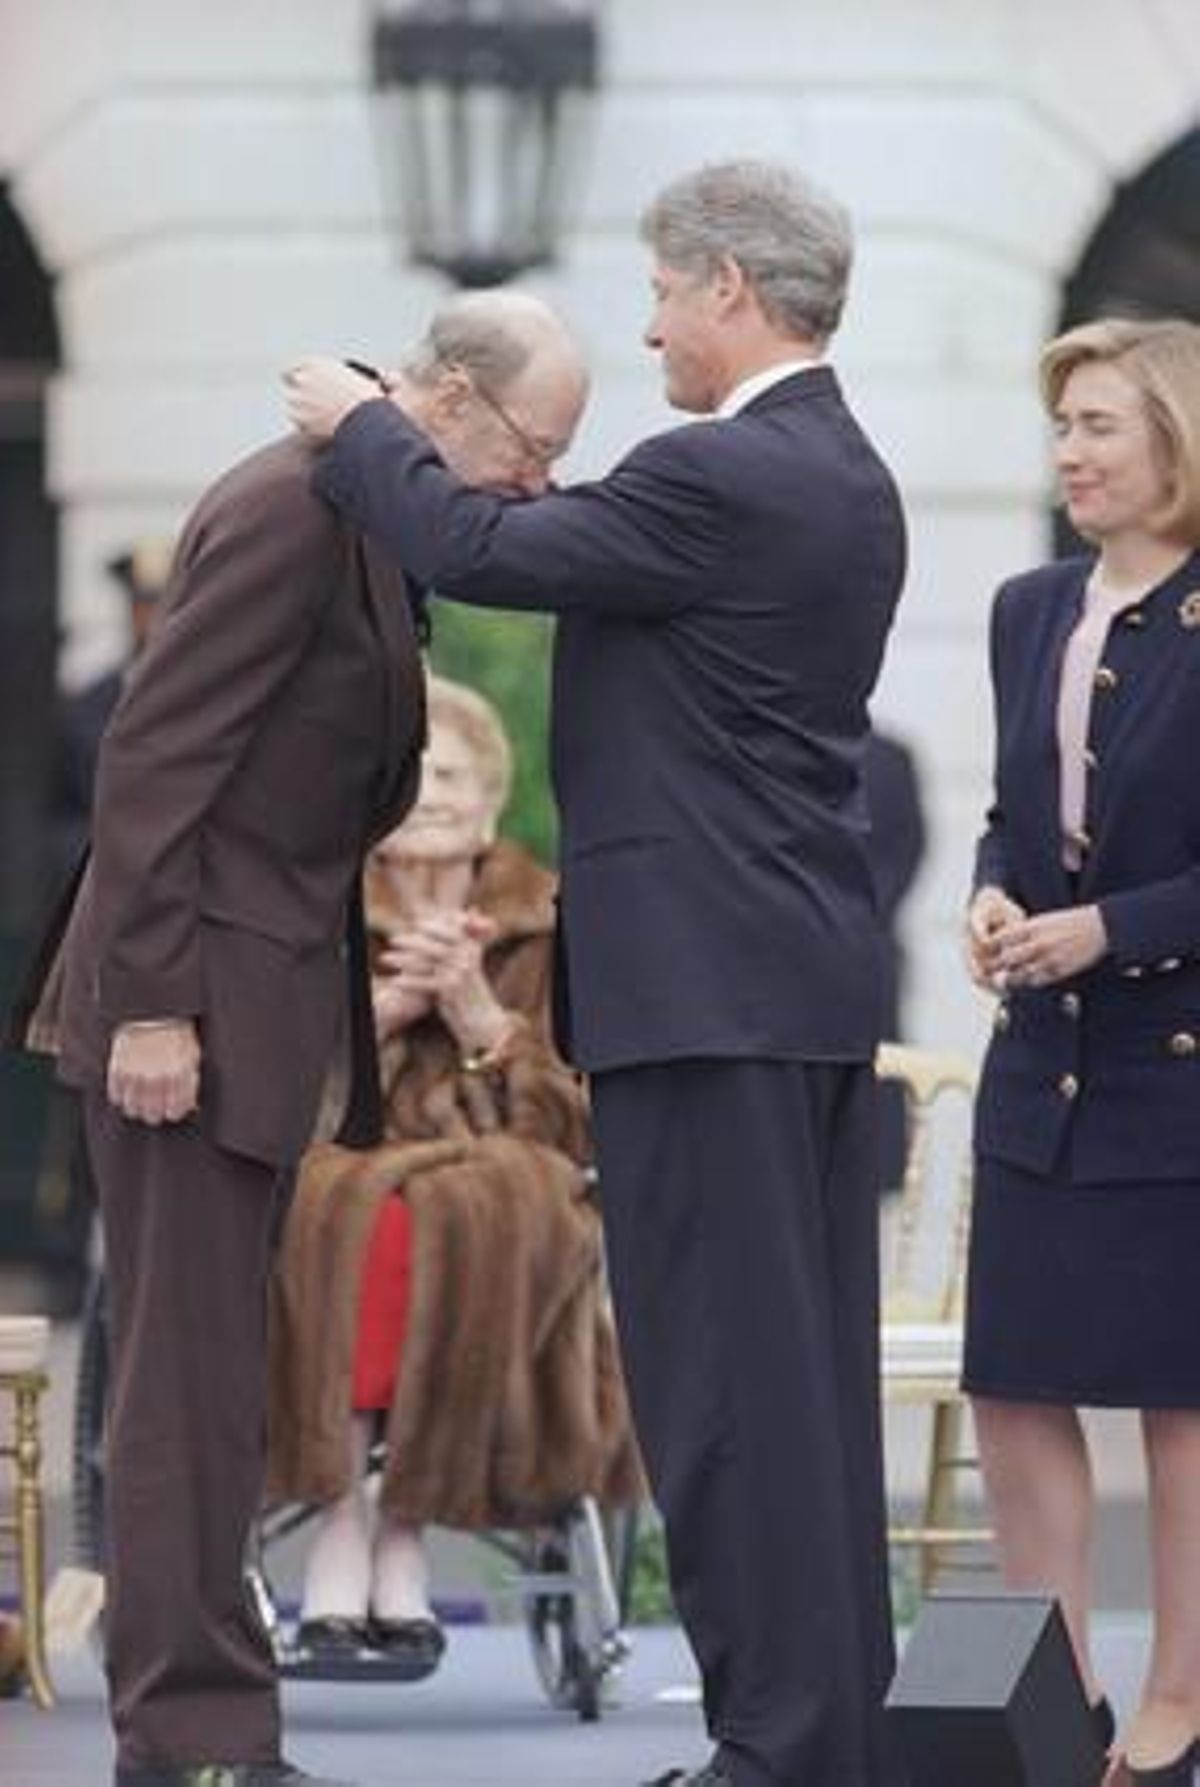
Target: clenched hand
pixel 154 1071
pixel 321 392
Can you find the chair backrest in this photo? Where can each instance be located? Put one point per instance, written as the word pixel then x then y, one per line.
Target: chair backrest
pixel 924 1225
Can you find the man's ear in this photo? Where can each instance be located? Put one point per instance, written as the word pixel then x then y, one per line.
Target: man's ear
pixel 729 285
pixel 452 392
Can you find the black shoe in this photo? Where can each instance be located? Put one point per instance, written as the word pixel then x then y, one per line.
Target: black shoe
pixel 413 1645
pixel 333 1639
pixel 1179 1772
pixel 224 1774
pixel 711 1775
pixel 1104 1722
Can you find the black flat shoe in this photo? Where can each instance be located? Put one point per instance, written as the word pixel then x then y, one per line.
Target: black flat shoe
pixel 333 1639
pixel 224 1774
pixel 415 1645
pixel 1180 1772
pixel 711 1775
pixel 1104 1722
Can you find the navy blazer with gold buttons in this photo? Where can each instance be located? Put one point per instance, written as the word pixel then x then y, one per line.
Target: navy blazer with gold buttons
pixel 1098 1078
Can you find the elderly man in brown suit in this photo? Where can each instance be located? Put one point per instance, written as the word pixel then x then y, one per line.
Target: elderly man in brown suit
pixel 207 992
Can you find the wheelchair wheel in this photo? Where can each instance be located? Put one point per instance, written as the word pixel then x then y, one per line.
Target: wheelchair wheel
pixel 87 1439
pixel 572 1612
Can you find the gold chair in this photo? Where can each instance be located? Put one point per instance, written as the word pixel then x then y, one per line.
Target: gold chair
pixel 24 1343
pixel 924 1259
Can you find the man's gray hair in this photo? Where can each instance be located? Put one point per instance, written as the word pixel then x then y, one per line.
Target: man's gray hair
pixel 792 240
pixel 491 335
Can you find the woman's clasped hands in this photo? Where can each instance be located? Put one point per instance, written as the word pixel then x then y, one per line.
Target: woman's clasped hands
pixel 1007 949
pixel 436 963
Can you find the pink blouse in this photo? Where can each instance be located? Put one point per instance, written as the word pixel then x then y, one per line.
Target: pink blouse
pixel 1081 660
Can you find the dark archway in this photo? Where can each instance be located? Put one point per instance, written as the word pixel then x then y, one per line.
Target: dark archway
pixel 1143 259
pixel 29 355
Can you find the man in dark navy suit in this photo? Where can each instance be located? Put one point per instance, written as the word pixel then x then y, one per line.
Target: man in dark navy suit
pixel 724 596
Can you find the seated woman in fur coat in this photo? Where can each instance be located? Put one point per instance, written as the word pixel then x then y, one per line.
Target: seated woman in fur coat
pixel 444 1290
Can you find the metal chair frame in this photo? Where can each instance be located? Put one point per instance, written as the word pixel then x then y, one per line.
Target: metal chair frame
pixel 22 1532
pixel 922 1326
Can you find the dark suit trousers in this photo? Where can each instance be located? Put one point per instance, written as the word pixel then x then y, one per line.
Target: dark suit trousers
pixel 188 1232
pixel 740 1205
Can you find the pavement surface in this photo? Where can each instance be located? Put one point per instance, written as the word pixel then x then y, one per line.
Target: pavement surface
pixel 480 1722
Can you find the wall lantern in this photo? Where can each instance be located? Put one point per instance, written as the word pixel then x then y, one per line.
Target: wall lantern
pixel 483 110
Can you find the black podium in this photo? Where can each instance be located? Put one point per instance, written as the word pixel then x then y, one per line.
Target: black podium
pixel 988 1695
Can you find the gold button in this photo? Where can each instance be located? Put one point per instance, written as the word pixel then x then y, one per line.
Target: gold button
pixel 1081 839
pixel 1183 1043
pixel 1106 677
pixel 1070 1005
pixel 1168 965
pixel 1090 759
pixel 1134 972
pixel 1068 1086
pixel 1134 617
pixel 1002 1018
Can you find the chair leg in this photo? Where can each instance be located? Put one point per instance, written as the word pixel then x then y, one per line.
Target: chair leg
pixel 941 1489
pixel 28 1450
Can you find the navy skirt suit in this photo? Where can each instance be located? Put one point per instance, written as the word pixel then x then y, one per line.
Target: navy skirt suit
pixel 1084 1273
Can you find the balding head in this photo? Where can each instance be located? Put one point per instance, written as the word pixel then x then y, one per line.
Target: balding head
pixel 499 383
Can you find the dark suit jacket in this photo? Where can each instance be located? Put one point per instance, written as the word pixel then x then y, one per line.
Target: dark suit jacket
pixel 269 732
pixel 724 596
pixel 1101 1078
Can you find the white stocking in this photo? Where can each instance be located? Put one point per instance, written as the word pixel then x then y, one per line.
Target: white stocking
pixel 337 1577
pixel 400 1581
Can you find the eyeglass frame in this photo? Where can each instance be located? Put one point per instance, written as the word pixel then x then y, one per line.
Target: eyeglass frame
pixel 544 458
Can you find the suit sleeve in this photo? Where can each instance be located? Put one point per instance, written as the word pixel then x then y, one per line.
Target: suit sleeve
pixel 991 853
pixel 1155 923
pixel 251 580
pixel 644 541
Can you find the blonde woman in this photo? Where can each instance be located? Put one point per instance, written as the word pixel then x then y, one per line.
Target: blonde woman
pixel 1086 922
pixel 443 1291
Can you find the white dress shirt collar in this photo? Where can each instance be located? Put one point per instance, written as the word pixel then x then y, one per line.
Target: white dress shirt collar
pixel 758 382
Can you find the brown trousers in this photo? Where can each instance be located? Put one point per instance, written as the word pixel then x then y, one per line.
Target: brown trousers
pixel 189 1232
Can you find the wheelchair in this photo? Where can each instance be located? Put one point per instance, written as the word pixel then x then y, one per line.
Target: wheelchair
pixel 573 1576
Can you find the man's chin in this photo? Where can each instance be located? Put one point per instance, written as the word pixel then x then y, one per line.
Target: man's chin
pixel 692 403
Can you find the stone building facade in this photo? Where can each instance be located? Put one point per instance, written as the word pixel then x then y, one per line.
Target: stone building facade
pixel 198 179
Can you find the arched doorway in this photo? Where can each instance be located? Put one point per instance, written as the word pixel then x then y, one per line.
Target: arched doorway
pixel 29 354
pixel 1143 259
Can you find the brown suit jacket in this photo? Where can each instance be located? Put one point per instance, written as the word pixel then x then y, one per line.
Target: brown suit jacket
pixel 270 732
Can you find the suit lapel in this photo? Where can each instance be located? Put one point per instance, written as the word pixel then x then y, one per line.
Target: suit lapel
pixel 386 601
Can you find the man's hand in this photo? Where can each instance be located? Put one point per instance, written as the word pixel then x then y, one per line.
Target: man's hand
pixel 990 912
pixel 154 1070
pixel 1036 952
pixel 321 392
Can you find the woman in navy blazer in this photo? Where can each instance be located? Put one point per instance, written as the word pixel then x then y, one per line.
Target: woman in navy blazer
pixel 1086 920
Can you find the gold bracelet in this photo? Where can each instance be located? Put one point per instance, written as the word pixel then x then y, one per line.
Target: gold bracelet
pixel 497 1054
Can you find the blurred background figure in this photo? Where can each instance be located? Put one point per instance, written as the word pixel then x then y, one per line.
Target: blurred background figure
pixel 444 1292
pixel 66 1195
pixel 897 848
pixel 141 575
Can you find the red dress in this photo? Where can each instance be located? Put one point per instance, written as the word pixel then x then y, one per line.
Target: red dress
pixel 384 1299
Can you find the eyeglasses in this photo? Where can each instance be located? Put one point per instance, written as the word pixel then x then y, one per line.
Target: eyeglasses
pixel 534 452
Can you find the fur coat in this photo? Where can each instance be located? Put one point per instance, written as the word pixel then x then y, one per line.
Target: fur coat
pixel 509 1401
